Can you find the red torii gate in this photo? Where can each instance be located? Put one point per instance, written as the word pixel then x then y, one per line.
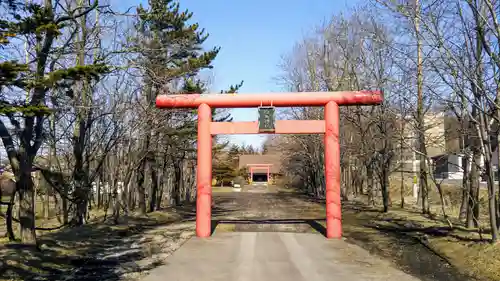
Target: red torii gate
pixel 266 167
pixel 330 127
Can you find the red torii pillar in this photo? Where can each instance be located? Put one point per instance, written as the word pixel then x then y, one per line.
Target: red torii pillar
pixel 329 126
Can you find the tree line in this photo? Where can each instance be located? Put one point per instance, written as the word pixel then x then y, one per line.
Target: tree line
pixel 79 80
pixel 438 65
pixel 77 91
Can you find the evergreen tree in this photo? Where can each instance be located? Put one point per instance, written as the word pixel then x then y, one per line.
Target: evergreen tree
pixel 169 52
pixel 169 47
pixel 234 155
pixel 223 172
pixel 41 23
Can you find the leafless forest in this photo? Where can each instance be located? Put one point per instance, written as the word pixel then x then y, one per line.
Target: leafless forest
pixel 437 64
pixel 84 140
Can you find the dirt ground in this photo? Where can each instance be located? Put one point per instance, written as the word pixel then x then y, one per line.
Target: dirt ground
pixel 128 251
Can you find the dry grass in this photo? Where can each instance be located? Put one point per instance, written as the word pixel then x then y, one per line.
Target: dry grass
pixel 225 227
pixel 452 195
pixel 128 249
pixel 223 189
pixel 41 222
pixel 465 249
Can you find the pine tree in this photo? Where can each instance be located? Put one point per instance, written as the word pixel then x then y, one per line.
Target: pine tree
pixel 223 172
pixel 22 139
pixel 169 47
pixel 169 53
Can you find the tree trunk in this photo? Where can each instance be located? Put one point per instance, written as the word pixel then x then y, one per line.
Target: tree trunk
pixel 64 204
pixel 490 181
pixel 141 174
pixel 178 182
pixel 192 197
pixel 24 185
pixel 140 187
pixel 81 192
pixel 83 113
pixel 465 188
pixel 8 216
pixel 79 175
pixel 131 192
pixel 371 188
pixel 491 201
pixel 473 211
pixel 385 187
pixel 424 186
pixel 99 195
pixel 46 202
pixel 159 198
pixel 116 202
pixel 154 190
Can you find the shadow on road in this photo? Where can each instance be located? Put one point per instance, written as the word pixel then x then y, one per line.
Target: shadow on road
pixel 101 250
pixel 312 223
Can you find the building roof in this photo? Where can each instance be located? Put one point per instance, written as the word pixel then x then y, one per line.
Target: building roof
pixel 248 159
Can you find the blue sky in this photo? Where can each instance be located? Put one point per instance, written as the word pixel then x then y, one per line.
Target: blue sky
pixel 253 35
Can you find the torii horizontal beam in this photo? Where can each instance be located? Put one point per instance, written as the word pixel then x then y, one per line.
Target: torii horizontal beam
pixel 270 99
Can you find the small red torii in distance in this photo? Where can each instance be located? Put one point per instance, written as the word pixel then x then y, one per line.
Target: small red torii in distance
pixel 330 127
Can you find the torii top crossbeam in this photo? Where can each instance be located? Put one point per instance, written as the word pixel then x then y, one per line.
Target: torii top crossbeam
pixel 270 99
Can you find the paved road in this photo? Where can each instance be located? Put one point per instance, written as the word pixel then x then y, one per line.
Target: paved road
pixel 271 256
